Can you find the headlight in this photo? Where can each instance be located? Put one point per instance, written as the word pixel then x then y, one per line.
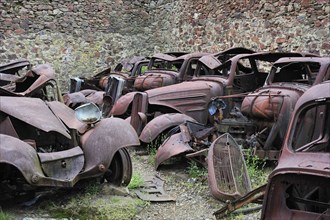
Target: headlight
pixel 88 113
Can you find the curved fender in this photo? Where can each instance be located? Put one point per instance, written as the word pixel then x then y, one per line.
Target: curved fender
pixel 15 152
pixel 108 136
pixel 172 146
pixel 159 124
pixel 122 104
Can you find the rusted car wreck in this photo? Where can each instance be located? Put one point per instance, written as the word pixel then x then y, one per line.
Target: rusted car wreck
pixel 299 186
pixel 139 74
pixel 14 67
pixel 47 144
pixel 212 98
pixel 38 81
pixel 136 74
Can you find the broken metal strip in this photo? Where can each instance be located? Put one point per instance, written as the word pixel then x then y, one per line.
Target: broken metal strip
pixel 251 197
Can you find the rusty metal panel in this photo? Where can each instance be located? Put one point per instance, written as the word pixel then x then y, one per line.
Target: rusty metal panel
pixel 190 98
pixel 172 146
pixel 297 196
pixel 154 79
pixel 45 72
pixel 104 141
pixel 7 128
pixel 299 187
pixel 139 105
pixel 153 190
pixel 33 111
pixel 20 155
pixel 159 124
pixel 228 176
pixel 14 66
pixel 67 115
pixel 64 165
pixel 186 137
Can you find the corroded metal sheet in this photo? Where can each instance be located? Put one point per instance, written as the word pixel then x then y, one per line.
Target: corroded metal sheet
pixel 20 155
pixel 67 115
pixel 33 111
pixel 172 146
pixel 64 165
pixel 299 187
pixel 228 177
pixel 13 66
pixel 190 98
pixel 153 190
pixel 160 124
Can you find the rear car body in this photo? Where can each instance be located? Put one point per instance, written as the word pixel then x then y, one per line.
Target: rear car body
pixel 299 187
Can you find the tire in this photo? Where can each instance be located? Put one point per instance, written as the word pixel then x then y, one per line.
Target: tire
pixel 121 169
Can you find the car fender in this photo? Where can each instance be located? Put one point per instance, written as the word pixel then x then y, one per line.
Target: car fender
pixel 122 104
pixel 173 146
pixel 159 124
pixel 101 144
pixel 21 155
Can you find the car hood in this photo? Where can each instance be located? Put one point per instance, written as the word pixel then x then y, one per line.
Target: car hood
pixel 191 98
pixel 33 111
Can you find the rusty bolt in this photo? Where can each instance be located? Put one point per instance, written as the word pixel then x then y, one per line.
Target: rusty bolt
pixel 102 168
pixel 63 164
pixel 35 178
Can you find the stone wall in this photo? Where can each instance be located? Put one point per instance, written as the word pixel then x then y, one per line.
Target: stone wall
pixel 82 37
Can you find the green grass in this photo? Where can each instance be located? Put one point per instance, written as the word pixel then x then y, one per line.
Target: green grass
pixel 4 216
pixel 93 188
pixel 196 171
pixel 137 181
pixel 96 207
pixel 153 146
pixel 257 170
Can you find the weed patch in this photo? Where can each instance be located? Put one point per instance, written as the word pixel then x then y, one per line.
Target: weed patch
pixel 93 188
pixel 257 170
pixel 4 216
pixel 113 208
pixel 136 182
pixel 153 146
pixel 195 171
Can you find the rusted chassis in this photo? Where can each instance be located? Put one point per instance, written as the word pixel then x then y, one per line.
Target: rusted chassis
pixel 100 147
pixel 299 186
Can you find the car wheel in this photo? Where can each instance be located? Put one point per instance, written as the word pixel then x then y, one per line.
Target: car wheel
pixel 120 170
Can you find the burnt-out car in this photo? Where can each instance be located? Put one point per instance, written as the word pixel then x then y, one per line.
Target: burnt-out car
pixel 262 119
pixel 47 144
pixel 13 68
pixel 231 81
pixel 38 81
pixel 128 69
pixel 106 83
pixel 165 69
pixel 167 107
pixel 299 186
pixel 135 74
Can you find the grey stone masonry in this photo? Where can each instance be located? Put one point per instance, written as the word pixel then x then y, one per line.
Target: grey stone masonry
pixel 83 37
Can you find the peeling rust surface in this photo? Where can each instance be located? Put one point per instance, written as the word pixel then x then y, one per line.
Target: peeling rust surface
pixel 299 187
pixel 172 146
pixel 153 190
pixel 160 124
pixel 228 176
pixel 35 112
